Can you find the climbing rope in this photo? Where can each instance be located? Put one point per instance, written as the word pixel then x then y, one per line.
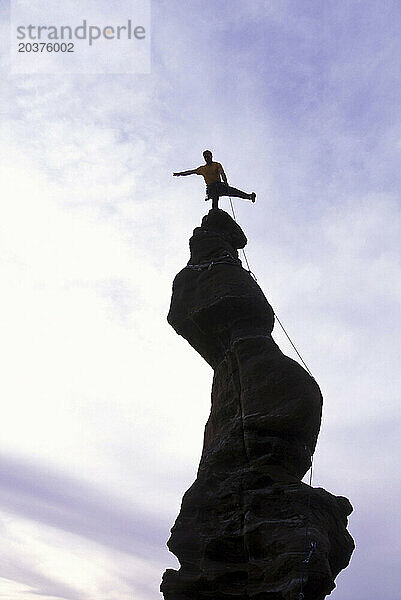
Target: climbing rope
pixel 293 345
pixel 242 249
pixel 307 551
pixel 275 314
pixel 308 548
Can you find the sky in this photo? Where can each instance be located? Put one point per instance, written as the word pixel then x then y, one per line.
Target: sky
pixel 103 405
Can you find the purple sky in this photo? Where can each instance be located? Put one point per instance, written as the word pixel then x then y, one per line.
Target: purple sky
pixel 103 406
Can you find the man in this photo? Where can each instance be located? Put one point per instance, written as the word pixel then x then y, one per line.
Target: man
pixel 213 173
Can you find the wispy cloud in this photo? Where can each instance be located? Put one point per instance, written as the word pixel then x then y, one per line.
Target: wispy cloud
pixel 65 503
pixel 77 530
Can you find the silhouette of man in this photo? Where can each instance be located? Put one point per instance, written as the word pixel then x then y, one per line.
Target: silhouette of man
pixel 216 181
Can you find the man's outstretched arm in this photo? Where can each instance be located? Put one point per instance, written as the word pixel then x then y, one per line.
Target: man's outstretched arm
pixel 191 172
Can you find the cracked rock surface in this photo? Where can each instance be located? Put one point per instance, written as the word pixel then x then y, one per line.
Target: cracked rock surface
pixel 248 527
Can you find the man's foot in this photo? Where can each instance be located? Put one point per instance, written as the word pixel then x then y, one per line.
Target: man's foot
pixel 252 197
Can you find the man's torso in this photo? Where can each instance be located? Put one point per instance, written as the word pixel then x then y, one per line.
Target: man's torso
pixel 211 173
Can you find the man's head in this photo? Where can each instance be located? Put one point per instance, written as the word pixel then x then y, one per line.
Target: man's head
pixel 207 155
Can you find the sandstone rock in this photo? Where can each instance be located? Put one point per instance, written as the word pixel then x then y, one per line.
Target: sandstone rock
pixel 248 524
pixel 214 300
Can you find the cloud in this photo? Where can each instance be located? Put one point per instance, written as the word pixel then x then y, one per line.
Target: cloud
pixel 37 583
pixel 67 504
pixel 89 541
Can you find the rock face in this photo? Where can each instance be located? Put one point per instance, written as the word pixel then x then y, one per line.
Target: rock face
pixel 248 527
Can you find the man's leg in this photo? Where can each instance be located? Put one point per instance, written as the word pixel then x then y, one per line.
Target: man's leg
pixel 231 191
pixel 213 192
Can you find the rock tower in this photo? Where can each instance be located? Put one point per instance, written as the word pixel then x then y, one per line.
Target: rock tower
pixel 248 527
